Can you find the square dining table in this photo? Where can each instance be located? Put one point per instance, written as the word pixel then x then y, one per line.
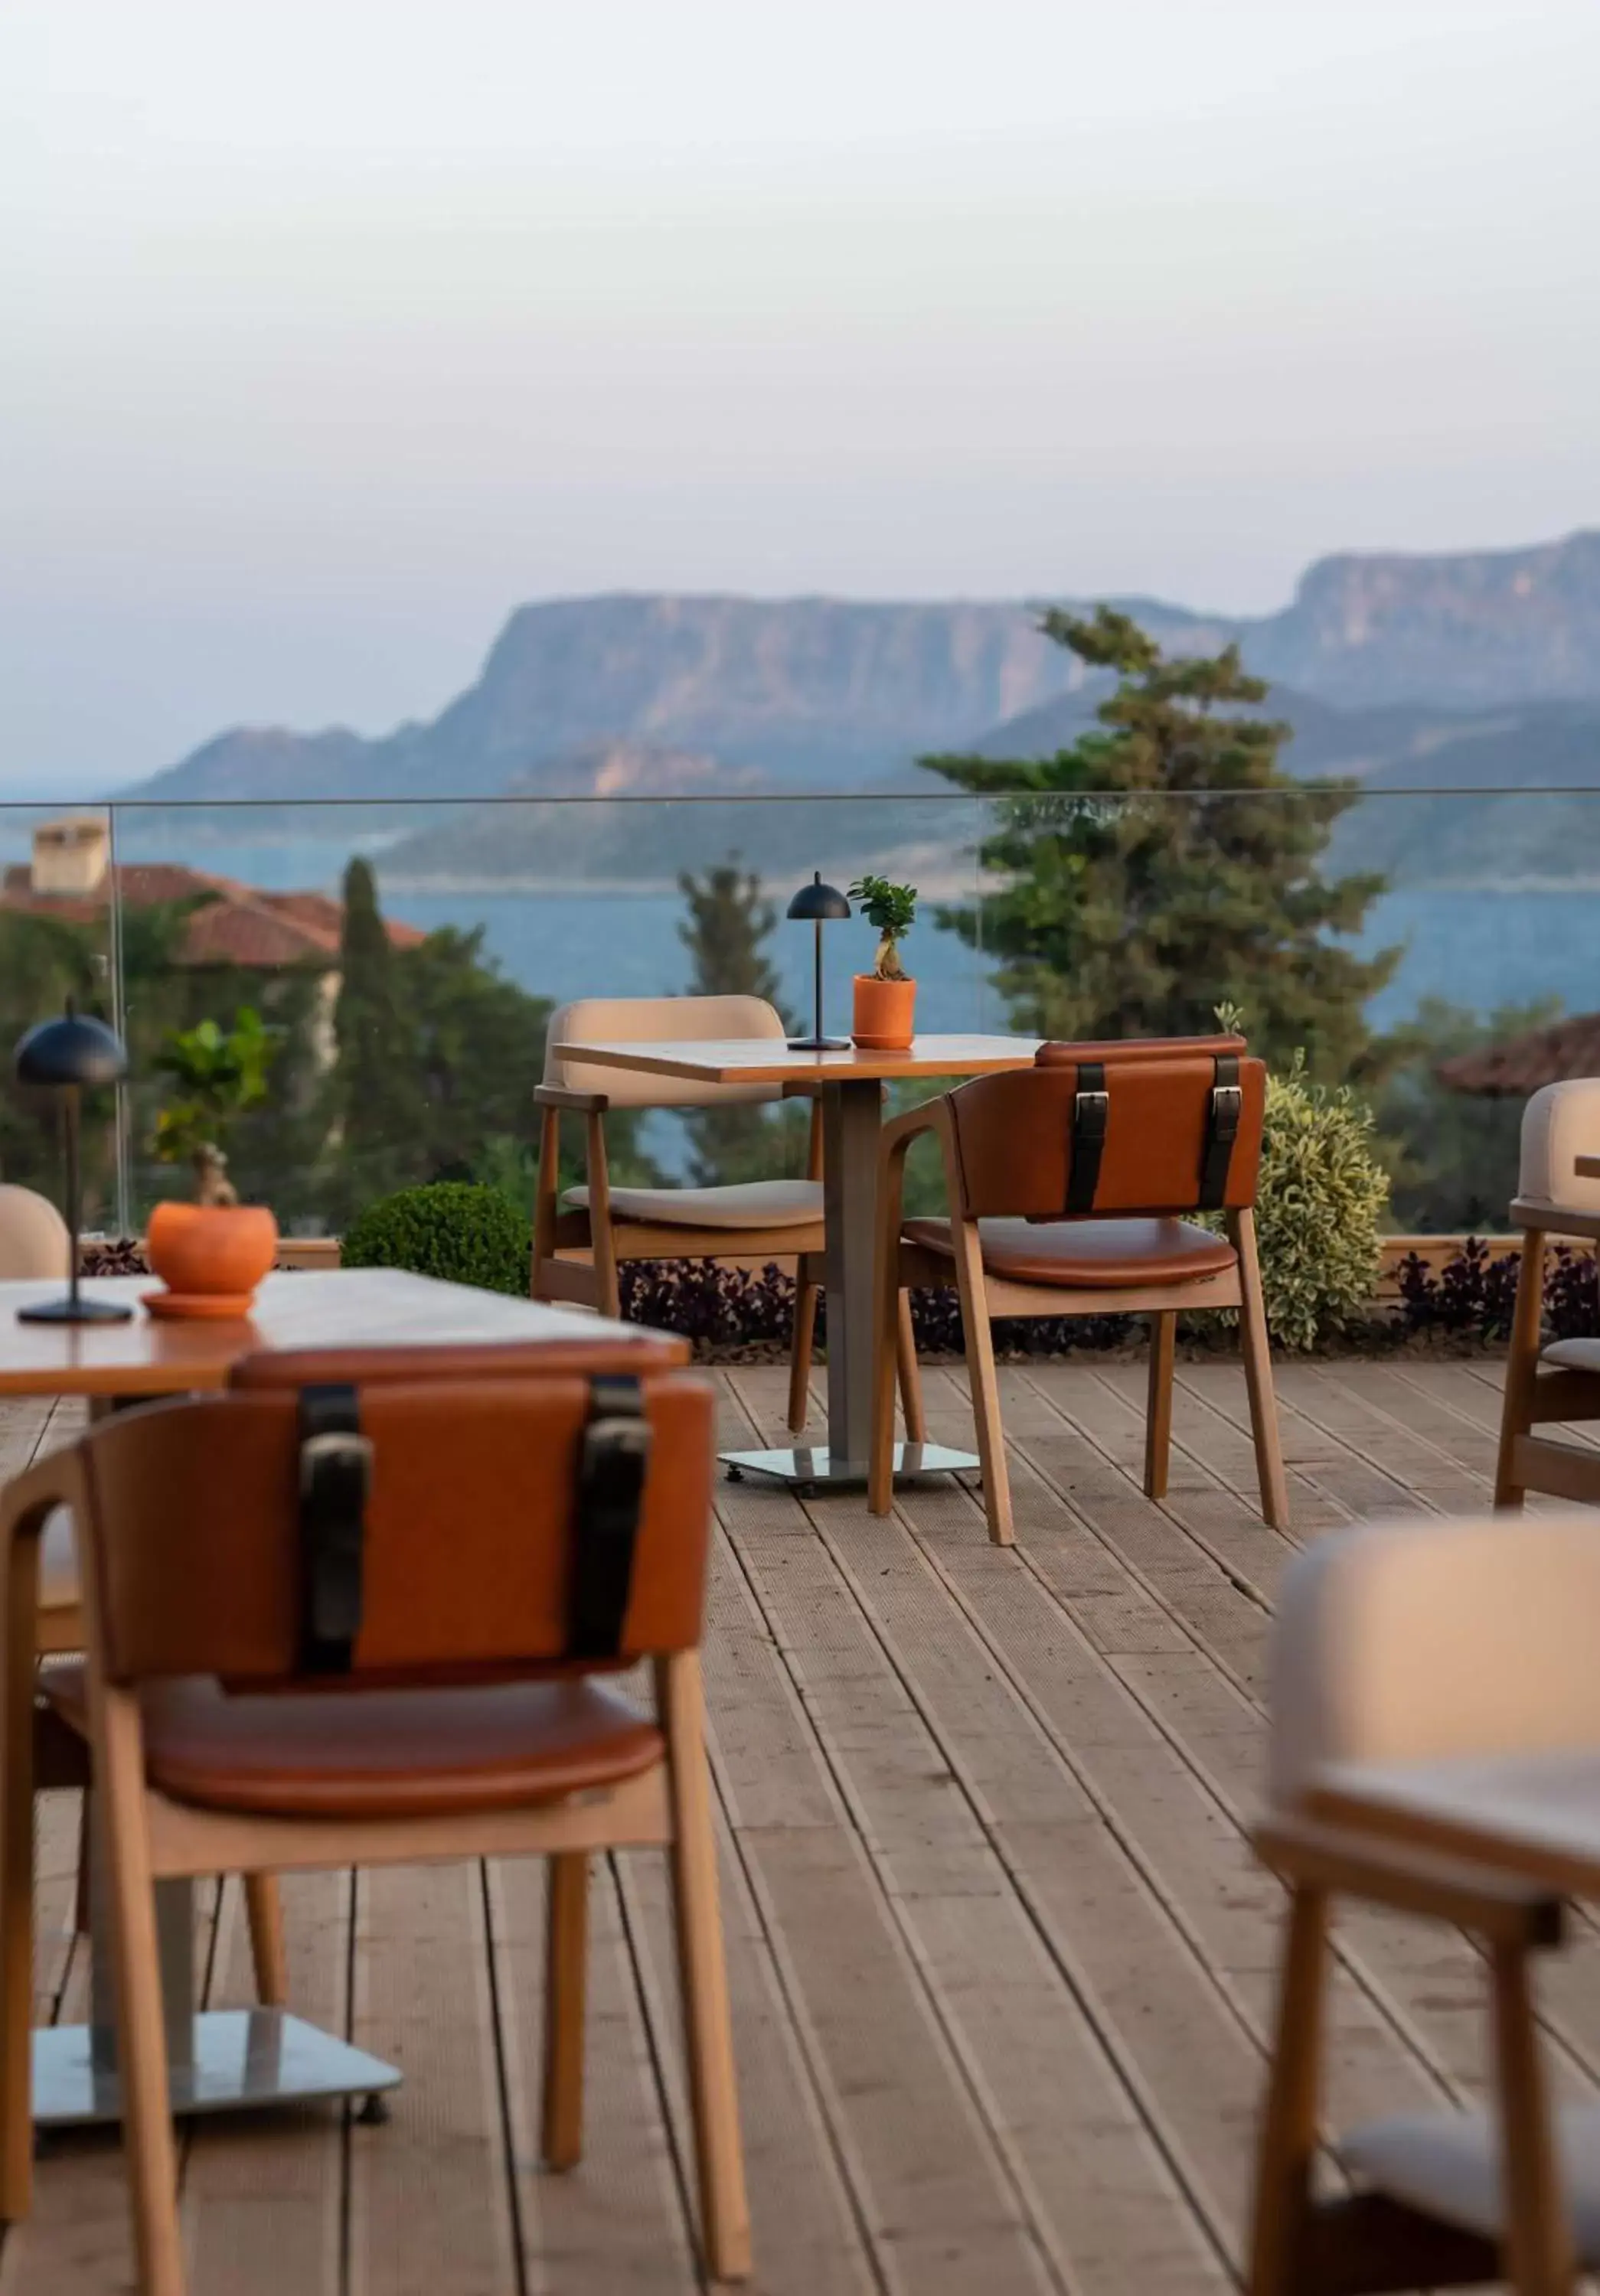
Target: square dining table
pixel 225 2060
pixel 850 1084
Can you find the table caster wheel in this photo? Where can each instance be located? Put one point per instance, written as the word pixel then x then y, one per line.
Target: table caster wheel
pixel 735 1474
pixel 374 2112
pixel 806 1491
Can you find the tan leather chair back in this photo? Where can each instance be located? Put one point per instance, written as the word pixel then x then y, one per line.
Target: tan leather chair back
pixel 657 1020
pixel 470 1528
pixel 1027 1139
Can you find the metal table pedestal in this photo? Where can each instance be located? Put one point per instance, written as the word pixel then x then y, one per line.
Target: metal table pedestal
pixel 220 2060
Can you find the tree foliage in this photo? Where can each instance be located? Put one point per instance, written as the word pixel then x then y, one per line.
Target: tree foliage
pixel 725 932
pixel 1165 864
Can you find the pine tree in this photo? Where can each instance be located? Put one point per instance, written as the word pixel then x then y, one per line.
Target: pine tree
pixel 377 1088
pixel 728 922
pixel 1166 864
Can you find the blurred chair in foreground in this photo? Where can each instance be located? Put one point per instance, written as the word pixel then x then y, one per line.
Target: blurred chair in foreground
pixel 1409 1643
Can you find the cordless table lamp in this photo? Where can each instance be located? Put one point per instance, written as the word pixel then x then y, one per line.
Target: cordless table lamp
pixel 62 1056
pixel 822 905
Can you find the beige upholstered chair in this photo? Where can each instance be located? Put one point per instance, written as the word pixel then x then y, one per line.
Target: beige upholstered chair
pixel 35 1241
pixel 580 1239
pixel 1407 1642
pixel 1562 1382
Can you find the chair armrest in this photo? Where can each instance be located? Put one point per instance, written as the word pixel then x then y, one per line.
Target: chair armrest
pixel 900 1131
pixel 26 1499
pixel 579 1104
pixel 1498 1907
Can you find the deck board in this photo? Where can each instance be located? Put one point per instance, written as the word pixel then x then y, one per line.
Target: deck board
pixel 1000 1959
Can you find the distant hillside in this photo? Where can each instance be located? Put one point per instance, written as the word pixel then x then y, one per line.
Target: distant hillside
pixel 818 693
pixel 1471 628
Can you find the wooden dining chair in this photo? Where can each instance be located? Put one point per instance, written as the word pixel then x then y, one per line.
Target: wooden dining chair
pixel 1411 1642
pixel 35 1242
pixel 583 1235
pixel 1561 1381
pixel 398 1653
pixel 1068 1184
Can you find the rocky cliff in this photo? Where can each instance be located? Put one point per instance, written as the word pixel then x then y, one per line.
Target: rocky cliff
pixel 820 693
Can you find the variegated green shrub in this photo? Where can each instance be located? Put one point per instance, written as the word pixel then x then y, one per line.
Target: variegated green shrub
pixel 1322 1194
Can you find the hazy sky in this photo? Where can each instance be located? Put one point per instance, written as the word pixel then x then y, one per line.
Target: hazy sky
pixel 330 329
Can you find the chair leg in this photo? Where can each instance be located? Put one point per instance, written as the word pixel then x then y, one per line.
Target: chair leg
pixel 806 1294
pixel 910 1377
pixel 1258 1373
pixel 702 1972
pixel 1287 2143
pixel 141 2032
pixel 1539 2254
pixel 1522 1367
pixel 269 1957
pixel 81 1897
pixel 1158 1414
pixel 983 1379
pixel 566 1978
pixel 886 1350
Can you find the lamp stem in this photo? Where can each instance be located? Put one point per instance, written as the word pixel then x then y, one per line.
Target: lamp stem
pixel 74 1203
pixel 816 998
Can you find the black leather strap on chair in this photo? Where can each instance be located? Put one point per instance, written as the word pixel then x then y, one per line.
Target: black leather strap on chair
pixel 335 1476
pixel 610 1486
pixel 1091 1114
pixel 1221 1131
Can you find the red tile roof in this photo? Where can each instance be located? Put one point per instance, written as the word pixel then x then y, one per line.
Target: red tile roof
pixel 231 924
pixel 1522 1064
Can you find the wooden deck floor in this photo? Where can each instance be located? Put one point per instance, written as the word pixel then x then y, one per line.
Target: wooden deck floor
pixel 1000 1960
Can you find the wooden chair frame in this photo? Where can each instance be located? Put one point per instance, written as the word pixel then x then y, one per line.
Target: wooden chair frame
pixel 1535 1463
pixel 60 1633
pixel 150 1837
pixel 576 1254
pixel 901 1264
pixel 1364 2244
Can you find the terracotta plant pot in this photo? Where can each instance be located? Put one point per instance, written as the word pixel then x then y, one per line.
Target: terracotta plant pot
pixel 211 1257
pixel 885 1014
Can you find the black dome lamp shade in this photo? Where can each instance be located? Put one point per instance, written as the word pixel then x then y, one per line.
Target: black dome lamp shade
pixel 819 905
pixel 62 1056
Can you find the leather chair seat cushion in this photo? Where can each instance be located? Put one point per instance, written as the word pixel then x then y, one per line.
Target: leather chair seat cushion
pixel 349 1753
pixel 1098 1254
pixel 746 1204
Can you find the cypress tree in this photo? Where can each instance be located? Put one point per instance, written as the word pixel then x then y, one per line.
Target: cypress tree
pixel 378 1096
pixel 727 923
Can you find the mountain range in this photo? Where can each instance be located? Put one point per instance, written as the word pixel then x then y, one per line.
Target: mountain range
pixel 1466 670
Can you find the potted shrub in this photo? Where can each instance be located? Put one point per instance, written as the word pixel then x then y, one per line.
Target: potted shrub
pixel 885 1006
pixel 212 1252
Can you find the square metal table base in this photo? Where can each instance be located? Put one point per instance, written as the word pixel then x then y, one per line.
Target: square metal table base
pixel 238 2058
pixel 815 1467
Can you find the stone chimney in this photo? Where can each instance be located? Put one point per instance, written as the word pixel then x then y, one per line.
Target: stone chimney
pixel 70 856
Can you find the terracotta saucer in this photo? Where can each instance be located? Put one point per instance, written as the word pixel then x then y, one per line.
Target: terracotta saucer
pixel 210 1307
pixel 866 1044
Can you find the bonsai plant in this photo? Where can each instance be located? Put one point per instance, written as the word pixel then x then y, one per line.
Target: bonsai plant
pixel 885 998
pixel 211 1253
